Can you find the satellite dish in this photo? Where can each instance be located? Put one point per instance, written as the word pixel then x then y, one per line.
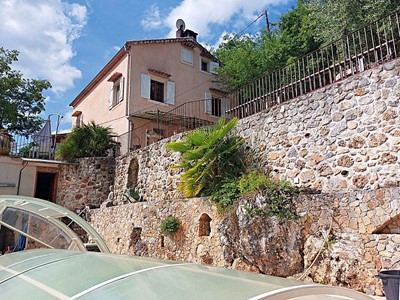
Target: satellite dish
pixel 180 24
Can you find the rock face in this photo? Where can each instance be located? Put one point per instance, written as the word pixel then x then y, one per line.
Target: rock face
pixel 272 245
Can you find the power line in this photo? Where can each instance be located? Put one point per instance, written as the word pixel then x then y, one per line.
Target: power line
pixel 258 18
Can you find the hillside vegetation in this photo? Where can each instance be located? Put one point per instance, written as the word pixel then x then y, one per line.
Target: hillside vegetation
pixel 303 29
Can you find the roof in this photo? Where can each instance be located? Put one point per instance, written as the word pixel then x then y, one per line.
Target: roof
pixel 15 209
pixel 187 41
pixel 62 274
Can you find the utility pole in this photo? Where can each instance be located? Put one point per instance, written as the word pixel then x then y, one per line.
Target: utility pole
pixel 266 20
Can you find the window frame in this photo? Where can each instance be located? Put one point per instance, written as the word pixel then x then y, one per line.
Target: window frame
pixel 155 90
pixel 116 92
pixel 187 50
pixel 211 66
pixel 214 105
pixel 168 90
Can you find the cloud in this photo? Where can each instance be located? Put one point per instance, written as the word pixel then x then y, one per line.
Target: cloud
pixel 43 32
pixel 201 15
pixel 152 18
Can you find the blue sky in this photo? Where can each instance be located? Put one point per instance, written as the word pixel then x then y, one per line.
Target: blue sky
pixel 68 42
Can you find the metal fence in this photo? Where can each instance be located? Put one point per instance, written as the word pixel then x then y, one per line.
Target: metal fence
pixel 159 124
pixel 27 147
pixel 360 50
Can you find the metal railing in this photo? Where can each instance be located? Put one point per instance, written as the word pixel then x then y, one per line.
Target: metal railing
pixel 362 49
pixel 27 147
pixel 185 117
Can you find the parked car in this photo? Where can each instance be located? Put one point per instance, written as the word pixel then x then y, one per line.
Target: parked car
pixel 50 273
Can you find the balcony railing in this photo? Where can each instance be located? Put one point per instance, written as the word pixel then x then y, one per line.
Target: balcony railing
pixel 360 50
pixel 159 125
pixel 19 146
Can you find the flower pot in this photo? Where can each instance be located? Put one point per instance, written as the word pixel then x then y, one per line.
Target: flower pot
pixel 5 143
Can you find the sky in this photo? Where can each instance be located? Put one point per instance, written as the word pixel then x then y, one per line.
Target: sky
pixel 68 42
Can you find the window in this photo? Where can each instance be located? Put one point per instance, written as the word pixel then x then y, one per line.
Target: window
pixel 116 92
pixel 204 66
pixel 187 56
pixel 157 89
pixel 216 107
pixel 78 118
pixel 213 105
pixel 208 66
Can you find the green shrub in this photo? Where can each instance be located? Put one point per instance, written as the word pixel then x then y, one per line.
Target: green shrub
pixel 226 193
pixel 170 225
pixel 252 182
pixel 280 195
pixel 90 140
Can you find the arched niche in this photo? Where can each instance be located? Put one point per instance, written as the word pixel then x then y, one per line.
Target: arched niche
pixel 204 225
pixel 133 172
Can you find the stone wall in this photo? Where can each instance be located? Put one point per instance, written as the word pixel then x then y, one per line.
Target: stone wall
pixel 344 136
pixel 154 178
pixel 85 183
pixel 342 232
pixel 342 140
pixel 134 229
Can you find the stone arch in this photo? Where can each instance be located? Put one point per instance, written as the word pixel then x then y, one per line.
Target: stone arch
pixel 133 172
pixel 391 226
pixel 205 225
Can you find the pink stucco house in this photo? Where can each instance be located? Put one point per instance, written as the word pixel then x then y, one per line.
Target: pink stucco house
pixel 152 89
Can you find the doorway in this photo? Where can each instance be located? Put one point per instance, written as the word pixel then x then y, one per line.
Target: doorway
pixel 46 186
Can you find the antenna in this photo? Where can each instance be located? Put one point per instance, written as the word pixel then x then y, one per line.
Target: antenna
pixel 180 25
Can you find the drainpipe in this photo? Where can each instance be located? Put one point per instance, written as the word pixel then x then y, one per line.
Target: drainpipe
pixel 128 94
pixel 20 173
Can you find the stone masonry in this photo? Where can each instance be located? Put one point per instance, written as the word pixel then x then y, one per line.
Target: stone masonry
pixel 344 136
pixel 86 183
pixel 341 142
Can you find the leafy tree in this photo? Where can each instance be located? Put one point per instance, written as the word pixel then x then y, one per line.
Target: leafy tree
pixel 334 18
pixel 90 140
pixel 208 157
pixel 240 61
pixel 21 100
pixel 246 58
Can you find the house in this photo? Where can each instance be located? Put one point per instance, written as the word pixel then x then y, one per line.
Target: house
pixel 152 89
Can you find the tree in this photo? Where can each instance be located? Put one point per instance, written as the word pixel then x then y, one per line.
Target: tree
pixel 90 140
pixel 247 58
pixel 21 100
pixel 209 156
pixel 335 18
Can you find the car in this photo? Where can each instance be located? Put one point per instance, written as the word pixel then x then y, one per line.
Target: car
pixel 72 272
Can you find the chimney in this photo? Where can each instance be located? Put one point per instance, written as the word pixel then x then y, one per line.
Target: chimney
pixel 181 32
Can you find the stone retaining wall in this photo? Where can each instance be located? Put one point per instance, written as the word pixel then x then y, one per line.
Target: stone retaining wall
pixel 86 183
pixel 134 229
pixel 344 136
pixel 154 179
pixel 342 140
pixel 352 254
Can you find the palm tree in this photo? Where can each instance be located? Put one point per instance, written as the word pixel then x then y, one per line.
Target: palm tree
pixel 209 156
pixel 90 140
